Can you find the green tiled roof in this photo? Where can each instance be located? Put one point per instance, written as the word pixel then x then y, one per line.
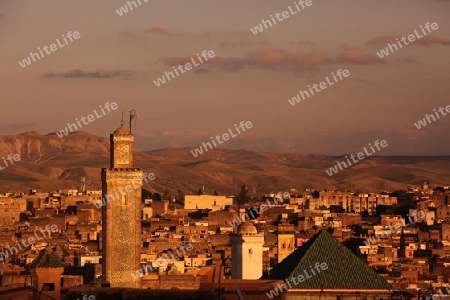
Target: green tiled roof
pixel 345 270
pixel 47 260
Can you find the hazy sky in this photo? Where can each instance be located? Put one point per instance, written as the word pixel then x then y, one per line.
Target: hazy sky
pixel 250 79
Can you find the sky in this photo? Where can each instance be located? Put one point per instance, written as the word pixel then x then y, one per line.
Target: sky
pixel 250 78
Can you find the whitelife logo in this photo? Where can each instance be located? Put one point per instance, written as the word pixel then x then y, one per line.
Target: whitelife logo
pixel 90 118
pixel 300 278
pixel 284 15
pixel 397 227
pixel 87 297
pixel 360 156
pixel 323 85
pixel 225 136
pixel 411 38
pixel 423 123
pixel 256 209
pixel 27 61
pixel 128 189
pixel 162 260
pixel 124 9
pixel 162 80
pixel 10 158
pixel 31 240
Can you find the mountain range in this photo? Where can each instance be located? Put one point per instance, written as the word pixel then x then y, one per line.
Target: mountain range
pixel 49 163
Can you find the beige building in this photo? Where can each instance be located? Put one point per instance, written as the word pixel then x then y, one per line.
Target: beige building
pixel 9 214
pixel 207 202
pixel 352 202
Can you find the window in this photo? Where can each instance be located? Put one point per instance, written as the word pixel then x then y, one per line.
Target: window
pixel 48 286
pixel 250 251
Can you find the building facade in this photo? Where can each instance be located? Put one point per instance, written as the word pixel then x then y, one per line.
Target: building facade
pixel 246 252
pixel 121 214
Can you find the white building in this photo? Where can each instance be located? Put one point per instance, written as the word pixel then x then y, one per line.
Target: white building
pixel 247 252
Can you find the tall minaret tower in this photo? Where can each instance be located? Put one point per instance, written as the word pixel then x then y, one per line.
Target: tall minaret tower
pixel 121 214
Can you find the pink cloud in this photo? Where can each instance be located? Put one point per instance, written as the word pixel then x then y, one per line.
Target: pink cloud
pixel 357 56
pixel 423 41
pixel 268 59
pixel 162 31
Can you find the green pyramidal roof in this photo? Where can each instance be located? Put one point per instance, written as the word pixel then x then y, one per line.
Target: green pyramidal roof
pixel 47 260
pixel 345 270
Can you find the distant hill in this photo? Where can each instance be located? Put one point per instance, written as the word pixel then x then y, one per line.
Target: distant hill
pixel 49 162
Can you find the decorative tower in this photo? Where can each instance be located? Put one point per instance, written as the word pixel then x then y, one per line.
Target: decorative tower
pixel 121 214
pixel 246 252
pixel 286 240
pixel 46 270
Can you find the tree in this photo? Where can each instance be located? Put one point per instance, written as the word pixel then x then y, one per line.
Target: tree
pixel 146 194
pixel 156 197
pixel 200 191
pixel 166 195
pixel 384 210
pixel 337 209
pixel 243 197
pixel 180 197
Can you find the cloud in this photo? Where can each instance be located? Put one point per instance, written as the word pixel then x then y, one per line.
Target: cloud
pixel 87 74
pixel 202 71
pixel 382 40
pixel 244 42
pixel 362 80
pixel 151 31
pixel 432 39
pixel 277 59
pixel 19 126
pixel 357 56
pixel 267 59
pixel 408 61
pixel 162 31
pixel 424 41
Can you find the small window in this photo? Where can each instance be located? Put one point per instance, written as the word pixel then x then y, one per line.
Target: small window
pixel 48 287
pixel 250 251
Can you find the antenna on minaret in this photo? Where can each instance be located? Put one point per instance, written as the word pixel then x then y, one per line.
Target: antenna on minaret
pixel 132 116
pixel 121 121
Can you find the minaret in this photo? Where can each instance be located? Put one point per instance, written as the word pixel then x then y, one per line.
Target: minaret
pixel 121 214
pixel 246 252
pixel 286 240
